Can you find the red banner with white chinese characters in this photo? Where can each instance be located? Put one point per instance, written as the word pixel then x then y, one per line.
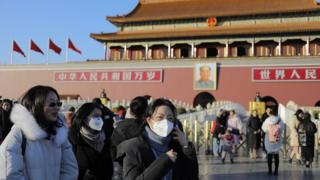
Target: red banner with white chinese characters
pixel 280 74
pixel 143 75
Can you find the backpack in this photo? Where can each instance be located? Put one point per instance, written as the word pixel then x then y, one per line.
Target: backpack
pixel 274 132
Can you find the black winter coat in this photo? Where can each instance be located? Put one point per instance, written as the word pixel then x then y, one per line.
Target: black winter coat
pixel 310 128
pixel 140 163
pixel 99 164
pixel 254 139
pixel 126 129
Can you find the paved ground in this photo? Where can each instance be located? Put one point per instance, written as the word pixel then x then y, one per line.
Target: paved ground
pixel 211 168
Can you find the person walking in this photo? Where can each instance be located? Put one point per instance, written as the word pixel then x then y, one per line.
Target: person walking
pixel 254 135
pixel 273 127
pixel 234 122
pixel 127 129
pixel 90 143
pixel 220 129
pixel 294 143
pixel 162 151
pixel 37 146
pixel 227 141
pixel 306 135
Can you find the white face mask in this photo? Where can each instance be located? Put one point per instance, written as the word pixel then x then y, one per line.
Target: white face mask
pixel 96 123
pixel 163 128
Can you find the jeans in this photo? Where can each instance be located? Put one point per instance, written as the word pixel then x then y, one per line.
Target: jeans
pixel 215 146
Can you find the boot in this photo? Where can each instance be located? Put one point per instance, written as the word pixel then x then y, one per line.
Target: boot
pixel 250 155
pixel 307 164
pixel 254 154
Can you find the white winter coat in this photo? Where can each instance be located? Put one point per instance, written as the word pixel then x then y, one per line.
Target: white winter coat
pixel 235 123
pixel 293 125
pixel 43 159
pixel 272 147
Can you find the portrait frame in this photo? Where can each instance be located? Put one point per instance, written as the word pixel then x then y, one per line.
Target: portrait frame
pixel 211 84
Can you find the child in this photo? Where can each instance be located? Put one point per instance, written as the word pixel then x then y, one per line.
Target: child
pixel 227 141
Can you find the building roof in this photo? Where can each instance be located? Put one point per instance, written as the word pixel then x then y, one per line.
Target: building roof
pixel 185 9
pixel 297 27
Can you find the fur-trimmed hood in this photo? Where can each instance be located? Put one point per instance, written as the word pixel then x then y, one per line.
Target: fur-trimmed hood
pixel 24 120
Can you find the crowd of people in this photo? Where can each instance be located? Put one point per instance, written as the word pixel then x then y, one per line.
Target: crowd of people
pixel 264 135
pixel 145 141
pixel 38 142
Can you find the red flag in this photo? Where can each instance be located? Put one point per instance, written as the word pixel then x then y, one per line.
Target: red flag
pixel 54 47
pixel 71 46
pixel 34 47
pixel 16 48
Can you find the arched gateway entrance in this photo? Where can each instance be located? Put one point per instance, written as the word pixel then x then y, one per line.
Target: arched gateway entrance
pixel 203 99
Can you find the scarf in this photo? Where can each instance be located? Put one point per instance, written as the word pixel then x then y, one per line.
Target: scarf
pixel 95 140
pixel 159 145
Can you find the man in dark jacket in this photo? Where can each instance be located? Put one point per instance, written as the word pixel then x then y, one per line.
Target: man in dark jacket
pixel 129 128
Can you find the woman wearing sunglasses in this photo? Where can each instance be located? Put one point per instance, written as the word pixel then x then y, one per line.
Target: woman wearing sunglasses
pixel 37 146
pixel 162 151
pixel 91 144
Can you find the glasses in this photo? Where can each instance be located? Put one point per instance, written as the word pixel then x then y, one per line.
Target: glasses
pixel 54 104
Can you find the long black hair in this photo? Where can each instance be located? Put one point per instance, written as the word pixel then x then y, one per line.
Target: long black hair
pixel 34 100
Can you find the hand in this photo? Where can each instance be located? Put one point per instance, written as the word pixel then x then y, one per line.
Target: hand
pixel 172 155
pixel 180 137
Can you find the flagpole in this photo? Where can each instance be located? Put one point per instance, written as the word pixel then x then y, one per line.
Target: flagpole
pixel 48 50
pixel 29 59
pixel 11 60
pixel 67 50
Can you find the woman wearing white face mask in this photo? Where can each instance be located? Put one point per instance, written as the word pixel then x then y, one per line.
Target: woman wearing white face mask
pixel 162 151
pixel 90 144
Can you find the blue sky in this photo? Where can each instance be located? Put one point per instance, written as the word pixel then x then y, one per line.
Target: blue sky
pixel 22 20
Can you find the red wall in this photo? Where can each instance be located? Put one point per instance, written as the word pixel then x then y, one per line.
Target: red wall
pixel 234 83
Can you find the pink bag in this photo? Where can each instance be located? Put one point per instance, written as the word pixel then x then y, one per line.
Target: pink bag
pixel 274 132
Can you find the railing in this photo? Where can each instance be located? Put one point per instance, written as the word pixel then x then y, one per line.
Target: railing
pixel 197 125
pixel 197 122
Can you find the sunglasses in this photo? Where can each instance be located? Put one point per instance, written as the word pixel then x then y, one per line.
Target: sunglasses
pixel 54 104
